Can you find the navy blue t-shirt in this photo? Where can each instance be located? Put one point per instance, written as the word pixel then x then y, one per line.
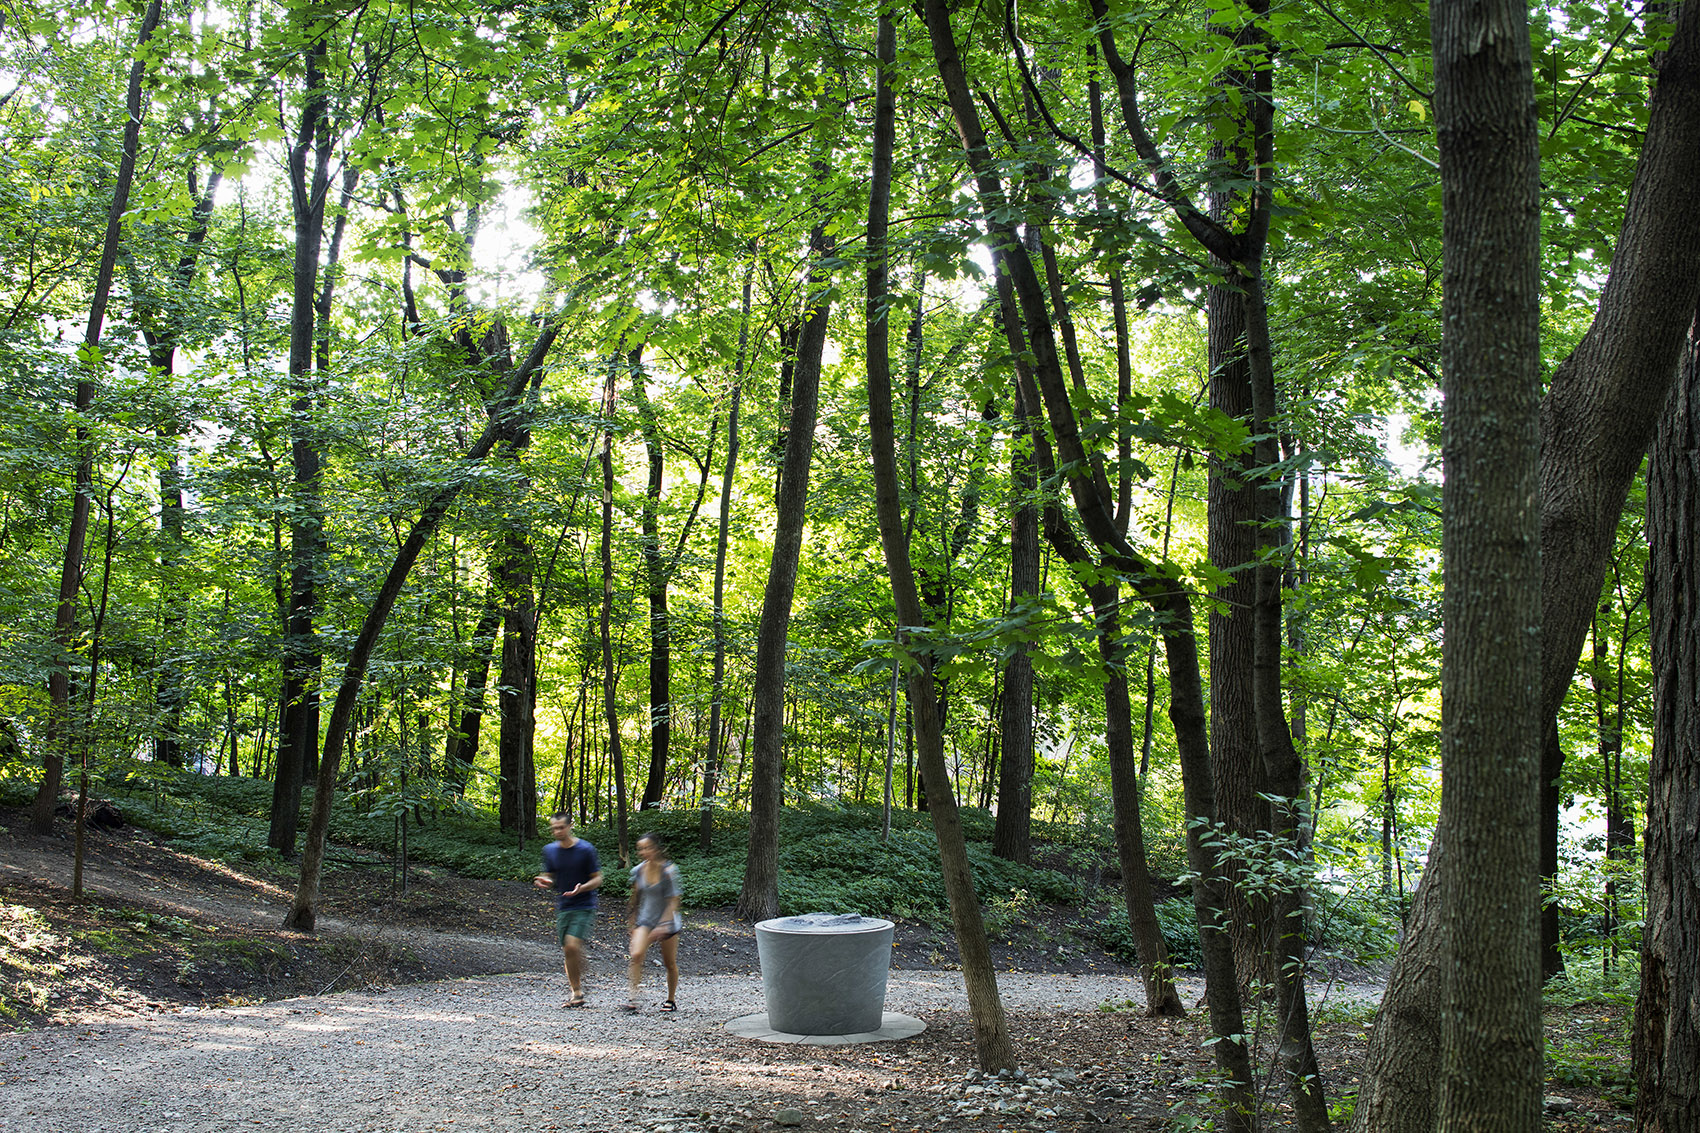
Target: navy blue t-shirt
pixel 572 865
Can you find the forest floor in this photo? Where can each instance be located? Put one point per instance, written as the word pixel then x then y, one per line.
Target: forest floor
pixel 171 999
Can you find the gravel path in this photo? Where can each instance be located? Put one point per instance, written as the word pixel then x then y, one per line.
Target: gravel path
pixel 500 1054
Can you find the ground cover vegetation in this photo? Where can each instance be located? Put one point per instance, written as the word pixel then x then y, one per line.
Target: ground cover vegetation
pixel 927 459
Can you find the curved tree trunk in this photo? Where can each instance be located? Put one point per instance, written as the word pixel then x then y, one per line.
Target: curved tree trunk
pixel 1603 405
pixel 303 911
pixel 992 1046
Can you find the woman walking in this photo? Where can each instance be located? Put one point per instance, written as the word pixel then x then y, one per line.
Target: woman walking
pixel 653 913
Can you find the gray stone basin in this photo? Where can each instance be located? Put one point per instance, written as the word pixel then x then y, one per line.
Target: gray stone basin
pixel 824 973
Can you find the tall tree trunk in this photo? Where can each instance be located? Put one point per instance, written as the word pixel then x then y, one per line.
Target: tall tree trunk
pixel 1666 1041
pixel 1604 399
pixel 1161 996
pixel 1596 421
pixel 1044 383
pixel 1486 121
pixel 460 747
pixel 716 749
pixel 298 736
pixel 517 806
pixel 1012 830
pixel 610 675
pixel 1232 537
pixel 992 1045
pixel 162 326
pixel 76 535
pixel 759 897
pixel 655 586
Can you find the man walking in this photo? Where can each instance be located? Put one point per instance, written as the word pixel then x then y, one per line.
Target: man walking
pixel 572 869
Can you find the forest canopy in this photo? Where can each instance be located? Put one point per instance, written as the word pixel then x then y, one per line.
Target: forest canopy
pixel 516 407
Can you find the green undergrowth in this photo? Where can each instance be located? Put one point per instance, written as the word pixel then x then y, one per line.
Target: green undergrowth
pixel 1341 926
pixel 831 857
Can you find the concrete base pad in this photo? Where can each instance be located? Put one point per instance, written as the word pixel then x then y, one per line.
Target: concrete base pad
pixel 892 1026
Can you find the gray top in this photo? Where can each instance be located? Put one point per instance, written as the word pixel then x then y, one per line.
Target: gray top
pixel 652 900
pixel 825 923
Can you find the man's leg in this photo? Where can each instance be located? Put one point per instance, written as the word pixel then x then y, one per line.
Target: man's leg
pixel 572 954
pixel 572 930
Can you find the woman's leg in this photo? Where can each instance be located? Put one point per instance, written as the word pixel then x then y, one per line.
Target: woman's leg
pixel 639 948
pixel 670 957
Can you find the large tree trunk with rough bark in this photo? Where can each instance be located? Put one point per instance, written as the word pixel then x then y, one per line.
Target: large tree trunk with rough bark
pixel 1666 1041
pixel 1604 401
pixel 1596 421
pixel 1491 1070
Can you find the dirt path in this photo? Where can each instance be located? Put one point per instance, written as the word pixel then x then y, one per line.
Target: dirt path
pixel 180 1009
pixel 500 1054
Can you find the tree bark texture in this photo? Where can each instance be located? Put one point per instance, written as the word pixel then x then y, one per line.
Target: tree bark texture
pixel 1231 526
pixel 1596 422
pixel 1666 1041
pixel 1012 830
pixel 1485 115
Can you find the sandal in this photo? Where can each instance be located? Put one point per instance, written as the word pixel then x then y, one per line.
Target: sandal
pixel 629 1005
pixel 669 1005
pixel 576 1001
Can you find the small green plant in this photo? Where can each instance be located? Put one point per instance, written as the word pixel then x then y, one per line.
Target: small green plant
pixel 1004 915
pixel 1593 1063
